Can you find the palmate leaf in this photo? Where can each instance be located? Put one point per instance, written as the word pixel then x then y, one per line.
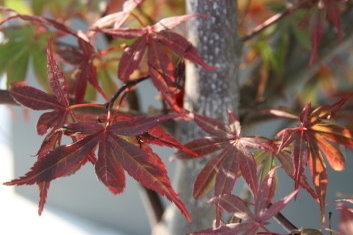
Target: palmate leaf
pixel 39 100
pixel 60 162
pixel 147 168
pixel 157 41
pixel 135 157
pixel 252 220
pixel 118 150
pixel 316 137
pixel 84 71
pixel 231 155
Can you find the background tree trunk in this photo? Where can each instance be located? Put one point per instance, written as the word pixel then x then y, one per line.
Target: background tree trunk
pixel 208 93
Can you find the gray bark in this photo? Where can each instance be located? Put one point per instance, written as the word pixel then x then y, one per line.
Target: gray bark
pixel 208 93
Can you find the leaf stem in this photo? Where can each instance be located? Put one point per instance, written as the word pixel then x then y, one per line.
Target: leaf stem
pixel 284 222
pixel 83 105
pixel 272 20
pixel 122 89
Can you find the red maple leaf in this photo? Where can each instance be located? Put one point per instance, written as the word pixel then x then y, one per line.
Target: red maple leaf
pixel 158 41
pixel 39 100
pixel 119 150
pixel 84 71
pixel 233 156
pixel 316 137
pixel 252 220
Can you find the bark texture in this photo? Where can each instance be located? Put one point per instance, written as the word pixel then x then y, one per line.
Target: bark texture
pixel 208 93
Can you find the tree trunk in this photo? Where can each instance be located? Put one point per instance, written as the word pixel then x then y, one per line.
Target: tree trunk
pixel 208 93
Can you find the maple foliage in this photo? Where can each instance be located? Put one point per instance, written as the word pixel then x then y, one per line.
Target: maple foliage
pixel 39 100
pixel 116 140
pixel 233 157
pixel 254 220
pixel 84 72
pixel 316 137
pixel 121 141
pixel 115 151
pixel 156 39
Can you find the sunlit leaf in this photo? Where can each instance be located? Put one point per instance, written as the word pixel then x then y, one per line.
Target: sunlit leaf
pixel 232 155
pixel 157 41
pixel 316 137
pixel 251 220
pixel 333 155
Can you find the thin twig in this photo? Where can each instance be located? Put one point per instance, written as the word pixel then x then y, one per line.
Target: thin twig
pixel 284 222
pixel 122 89
pixel 272 20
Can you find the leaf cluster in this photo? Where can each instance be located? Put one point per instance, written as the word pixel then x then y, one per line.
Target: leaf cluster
pixel 314 140
pixel 116 141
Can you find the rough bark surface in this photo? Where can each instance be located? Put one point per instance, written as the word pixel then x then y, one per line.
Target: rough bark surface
pixel 208 93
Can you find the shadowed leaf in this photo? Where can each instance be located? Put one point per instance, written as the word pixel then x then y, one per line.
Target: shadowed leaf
pixel 147 168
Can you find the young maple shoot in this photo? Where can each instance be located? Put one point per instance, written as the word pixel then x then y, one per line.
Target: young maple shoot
pixel 116 139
